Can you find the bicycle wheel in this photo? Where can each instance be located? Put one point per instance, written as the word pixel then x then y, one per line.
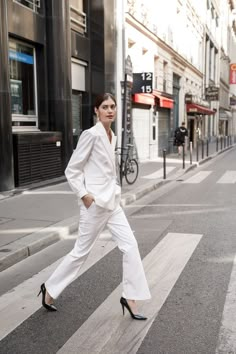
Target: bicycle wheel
pixel 131 170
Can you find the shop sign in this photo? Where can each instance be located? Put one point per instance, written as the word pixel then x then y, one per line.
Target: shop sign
pixel 189 98
pixel 212 93
pixel 24 58
pixel 142 82
pixel 232 74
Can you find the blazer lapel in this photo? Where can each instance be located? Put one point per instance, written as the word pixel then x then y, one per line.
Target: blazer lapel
pixel 110 147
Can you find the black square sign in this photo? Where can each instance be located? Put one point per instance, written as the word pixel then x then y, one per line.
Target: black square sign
pixel 142 82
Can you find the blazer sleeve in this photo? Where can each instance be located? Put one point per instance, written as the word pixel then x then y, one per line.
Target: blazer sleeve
pixel 75 169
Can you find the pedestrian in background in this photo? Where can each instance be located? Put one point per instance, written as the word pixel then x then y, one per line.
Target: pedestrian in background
pixel 91 173
pixel 180 136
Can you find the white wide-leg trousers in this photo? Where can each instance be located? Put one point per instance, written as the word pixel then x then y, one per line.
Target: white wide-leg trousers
pixel 92 222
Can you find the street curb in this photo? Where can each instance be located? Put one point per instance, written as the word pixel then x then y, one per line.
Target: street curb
pixel 35 242
pixel 16 191
pixel 129 198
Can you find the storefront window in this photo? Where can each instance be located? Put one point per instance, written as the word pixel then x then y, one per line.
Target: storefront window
pixel 22 80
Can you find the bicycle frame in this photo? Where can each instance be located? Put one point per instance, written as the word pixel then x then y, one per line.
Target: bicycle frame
pixel 124 158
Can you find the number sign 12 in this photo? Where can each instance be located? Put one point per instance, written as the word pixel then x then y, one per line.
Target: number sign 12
pixel 146 76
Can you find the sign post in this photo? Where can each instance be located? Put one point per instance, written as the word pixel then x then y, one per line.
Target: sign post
pixel 126 114
pixel 126 111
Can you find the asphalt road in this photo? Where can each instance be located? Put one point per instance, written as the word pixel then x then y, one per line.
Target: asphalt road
pixel 186 235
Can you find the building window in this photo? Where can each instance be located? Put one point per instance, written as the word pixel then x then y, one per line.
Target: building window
pixel 22 83
pixel 31 4
pixel 78 17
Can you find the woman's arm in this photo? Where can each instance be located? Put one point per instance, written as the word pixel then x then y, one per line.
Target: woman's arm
pixel 74 170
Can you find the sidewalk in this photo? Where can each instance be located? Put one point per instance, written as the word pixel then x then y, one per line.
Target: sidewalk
pixel 35 218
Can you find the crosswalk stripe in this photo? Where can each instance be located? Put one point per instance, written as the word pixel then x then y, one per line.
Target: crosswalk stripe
pixel 228 177
pixel 21 302
pixel 181 212
pixel 227 336
pixel 106 331
pixel 159 173
pixel 198 177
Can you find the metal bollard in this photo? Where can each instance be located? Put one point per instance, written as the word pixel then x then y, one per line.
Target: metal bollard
pixel 221 142
pixel 197 151
pixel 121 172
pixel 207 148
pixel 217 144
pixel 164 164
pixel 183 155
pixel 202 149
pixel 191 152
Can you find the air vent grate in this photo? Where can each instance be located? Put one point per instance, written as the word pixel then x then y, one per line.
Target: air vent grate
pixel 36 160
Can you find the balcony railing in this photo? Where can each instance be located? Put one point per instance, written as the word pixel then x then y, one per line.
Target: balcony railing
pixel 34 5
pixel 78 20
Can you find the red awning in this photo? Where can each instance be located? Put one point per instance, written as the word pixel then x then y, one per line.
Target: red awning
pixel 196 108
pixel 144 98
pixel 164 102
pixel 149 99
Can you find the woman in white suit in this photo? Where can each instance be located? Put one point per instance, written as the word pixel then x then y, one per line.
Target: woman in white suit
pixel 91 173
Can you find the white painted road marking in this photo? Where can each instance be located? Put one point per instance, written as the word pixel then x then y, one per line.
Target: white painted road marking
pixel 21 302
pixel 227 337
pixel 199 177
pixel 159 173
pixel 228 177
pixel 106 331
pixel 181 212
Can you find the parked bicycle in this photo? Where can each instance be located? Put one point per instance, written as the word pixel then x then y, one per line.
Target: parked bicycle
pixel 128 166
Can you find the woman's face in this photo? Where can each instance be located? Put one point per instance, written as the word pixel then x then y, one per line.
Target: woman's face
pixel 106 112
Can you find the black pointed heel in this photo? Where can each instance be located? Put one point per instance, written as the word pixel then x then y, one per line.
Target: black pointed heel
pixel 49 307
pixel 124 304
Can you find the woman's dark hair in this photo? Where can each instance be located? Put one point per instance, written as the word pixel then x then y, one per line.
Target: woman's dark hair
pixel 100 98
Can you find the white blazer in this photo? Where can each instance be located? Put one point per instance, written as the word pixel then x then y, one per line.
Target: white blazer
pixel 92 167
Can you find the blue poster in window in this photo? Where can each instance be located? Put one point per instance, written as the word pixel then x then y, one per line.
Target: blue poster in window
pixel 24 58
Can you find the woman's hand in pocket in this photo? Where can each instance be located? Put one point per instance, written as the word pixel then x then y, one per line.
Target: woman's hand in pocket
pixel 88 199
